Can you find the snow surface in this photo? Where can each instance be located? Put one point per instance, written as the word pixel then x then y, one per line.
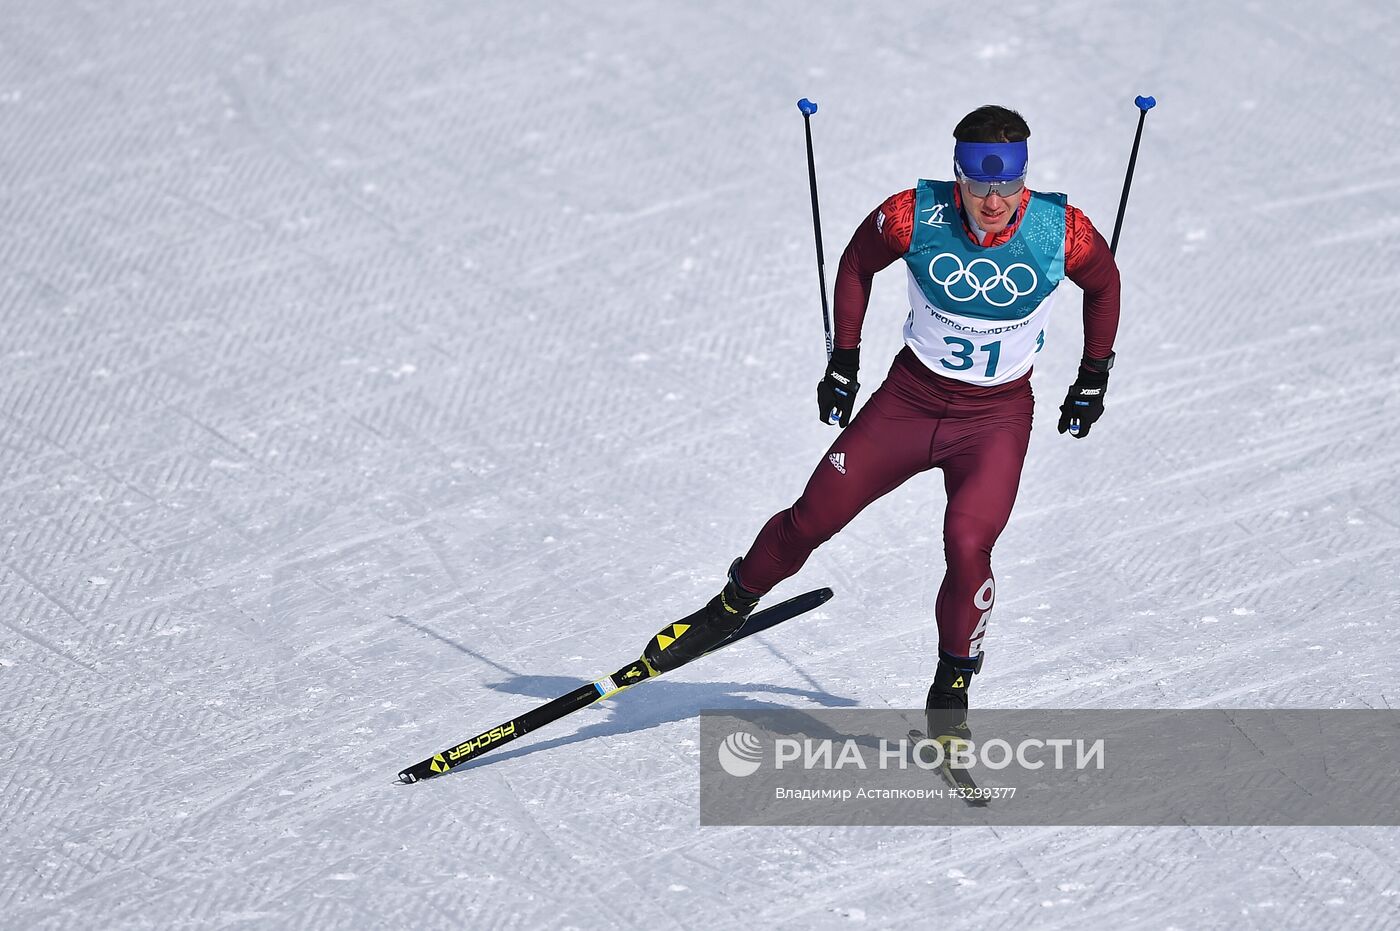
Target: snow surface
pixel 372 372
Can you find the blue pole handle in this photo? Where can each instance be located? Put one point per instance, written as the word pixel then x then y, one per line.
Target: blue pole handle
pixel 1145 103
pixel 806 106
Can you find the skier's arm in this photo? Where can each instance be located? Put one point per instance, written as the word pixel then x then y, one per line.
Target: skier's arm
pixel 881 238
pixel 1089 264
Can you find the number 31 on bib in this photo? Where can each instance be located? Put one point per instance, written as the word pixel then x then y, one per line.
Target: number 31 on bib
pixel 964 354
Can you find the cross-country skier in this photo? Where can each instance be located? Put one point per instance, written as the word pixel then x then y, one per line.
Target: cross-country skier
pixel 984 255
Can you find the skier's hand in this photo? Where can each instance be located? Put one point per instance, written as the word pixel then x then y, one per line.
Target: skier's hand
pixel 1084 404
pixel 836 392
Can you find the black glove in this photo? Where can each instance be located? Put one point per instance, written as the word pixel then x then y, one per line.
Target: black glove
pixel 1084 404
pixel 836 392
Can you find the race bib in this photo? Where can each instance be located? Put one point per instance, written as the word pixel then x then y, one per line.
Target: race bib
pixel 974 349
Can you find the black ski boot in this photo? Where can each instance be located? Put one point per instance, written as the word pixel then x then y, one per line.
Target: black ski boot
pixel 694 636
pixel 946 707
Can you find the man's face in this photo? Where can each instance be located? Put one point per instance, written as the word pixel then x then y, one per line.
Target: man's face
pixel 992 212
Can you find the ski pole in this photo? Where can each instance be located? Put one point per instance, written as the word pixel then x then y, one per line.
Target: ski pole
pixel 1143 104
pixel 808 108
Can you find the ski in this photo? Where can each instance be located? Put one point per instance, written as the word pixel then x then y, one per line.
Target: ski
pixel 960 780
pixel 583 696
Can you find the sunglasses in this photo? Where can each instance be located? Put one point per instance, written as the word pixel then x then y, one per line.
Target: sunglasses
pixel 1004 189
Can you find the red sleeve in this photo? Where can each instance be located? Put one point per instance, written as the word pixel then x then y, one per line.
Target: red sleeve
pixel 880 239
pixel 1089 264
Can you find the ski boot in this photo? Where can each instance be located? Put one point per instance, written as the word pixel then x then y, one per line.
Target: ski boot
pixel 694 636
pixel 946 707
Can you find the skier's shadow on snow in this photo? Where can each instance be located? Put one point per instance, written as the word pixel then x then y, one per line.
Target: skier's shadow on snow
pixel 653 704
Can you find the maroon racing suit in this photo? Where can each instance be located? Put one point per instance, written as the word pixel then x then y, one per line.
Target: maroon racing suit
pixel 919 420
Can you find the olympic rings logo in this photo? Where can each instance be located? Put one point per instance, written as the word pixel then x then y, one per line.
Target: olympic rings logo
pixel 1016 282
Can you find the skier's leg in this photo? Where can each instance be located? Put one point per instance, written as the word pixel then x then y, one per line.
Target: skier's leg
pixel 982 471
pixel 981 475
pixel 885 445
